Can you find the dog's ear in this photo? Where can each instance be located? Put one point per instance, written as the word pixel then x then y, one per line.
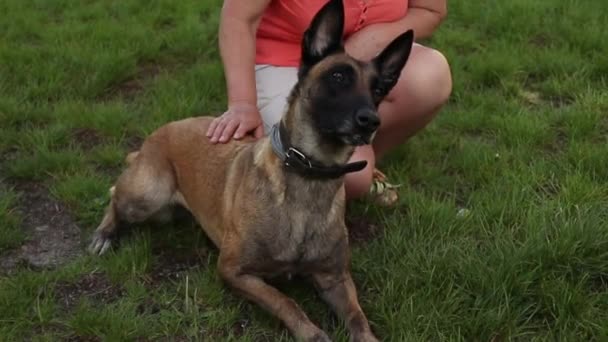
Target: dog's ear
pixel 391 60
pixel 324 34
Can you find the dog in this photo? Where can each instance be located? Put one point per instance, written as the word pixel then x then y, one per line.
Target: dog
pixel 275 205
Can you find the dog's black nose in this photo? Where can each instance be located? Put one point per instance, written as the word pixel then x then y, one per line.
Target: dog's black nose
pixel 367 119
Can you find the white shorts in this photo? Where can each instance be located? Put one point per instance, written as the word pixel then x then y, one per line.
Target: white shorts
pixel 273 83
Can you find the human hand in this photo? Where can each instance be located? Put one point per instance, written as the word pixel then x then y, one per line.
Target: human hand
pixel 240 119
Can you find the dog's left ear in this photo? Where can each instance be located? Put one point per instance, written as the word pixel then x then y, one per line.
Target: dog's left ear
pixel 324 34
pixel 391 60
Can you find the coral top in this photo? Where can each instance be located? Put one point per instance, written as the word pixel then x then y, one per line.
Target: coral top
pixel 280 31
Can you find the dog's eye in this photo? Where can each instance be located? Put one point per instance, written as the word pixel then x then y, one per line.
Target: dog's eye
pixel 338 77
pixel 378 91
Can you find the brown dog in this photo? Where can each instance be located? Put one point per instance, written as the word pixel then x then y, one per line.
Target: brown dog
pixel 276 205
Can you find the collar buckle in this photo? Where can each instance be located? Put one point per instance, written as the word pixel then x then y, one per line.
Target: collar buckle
pixel 298 162
pixel 294 153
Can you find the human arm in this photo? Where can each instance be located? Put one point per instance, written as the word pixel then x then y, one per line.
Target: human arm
pixel 238 24
pixel 423 16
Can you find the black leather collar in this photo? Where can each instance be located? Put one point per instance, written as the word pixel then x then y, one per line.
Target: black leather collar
pixel 294 160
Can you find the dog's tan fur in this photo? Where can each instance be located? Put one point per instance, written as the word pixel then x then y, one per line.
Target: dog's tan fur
pixel 264 221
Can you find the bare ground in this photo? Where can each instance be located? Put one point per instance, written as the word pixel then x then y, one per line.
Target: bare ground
pixel 94 286
pixel 134 85
pixel 53 238
pixel 362 229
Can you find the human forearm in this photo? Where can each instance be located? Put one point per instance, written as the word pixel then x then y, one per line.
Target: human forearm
pixel 423 21
pixel 237 50
pixel 424 17
pixel 238 25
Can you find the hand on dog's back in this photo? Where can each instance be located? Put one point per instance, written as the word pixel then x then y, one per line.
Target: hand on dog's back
pixel 238 121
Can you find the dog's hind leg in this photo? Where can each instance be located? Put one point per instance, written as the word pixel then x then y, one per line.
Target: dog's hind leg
pixel 130 158
pixel 145 188
pixel 105 232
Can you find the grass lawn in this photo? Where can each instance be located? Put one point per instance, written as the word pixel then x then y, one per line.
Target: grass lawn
pixel 502 228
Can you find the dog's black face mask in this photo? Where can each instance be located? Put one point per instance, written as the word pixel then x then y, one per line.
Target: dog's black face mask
pixel 343 94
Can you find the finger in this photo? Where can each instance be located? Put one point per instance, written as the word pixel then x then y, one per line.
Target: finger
pixel 229 130
pixel 218 130
pixel 259 132
pixel 241 131
pixel 212 127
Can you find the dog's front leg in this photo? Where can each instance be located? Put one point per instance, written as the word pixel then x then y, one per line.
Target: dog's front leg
pixel 255 289
pixel 338 289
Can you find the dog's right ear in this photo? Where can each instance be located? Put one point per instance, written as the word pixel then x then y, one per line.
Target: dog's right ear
pixel 392 59
pixel 324 35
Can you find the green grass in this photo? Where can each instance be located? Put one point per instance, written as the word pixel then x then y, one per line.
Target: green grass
pixel 10 233
pixel 522 146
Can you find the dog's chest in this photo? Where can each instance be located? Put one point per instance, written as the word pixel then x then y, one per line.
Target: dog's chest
pixel 302 232
pixel 304 237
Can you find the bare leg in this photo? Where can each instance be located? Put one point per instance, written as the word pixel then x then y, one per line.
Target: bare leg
pixel 357 184
pixel 422 90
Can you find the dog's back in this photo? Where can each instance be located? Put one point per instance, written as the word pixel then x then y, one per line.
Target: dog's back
pixel 205 173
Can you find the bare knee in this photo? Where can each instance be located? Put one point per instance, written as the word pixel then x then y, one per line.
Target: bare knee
pixel 425 82
pixel 357 184
pixel 437 84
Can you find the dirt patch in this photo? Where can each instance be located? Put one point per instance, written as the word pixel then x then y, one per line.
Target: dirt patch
pixel 239 327
pixel 559 101
pixel 531 97
pixel 87 138
pixel 94 286
pixel 53 237
pixel 540 40
pixel 547 189
pixel 559 144
pixel 598 283
pixel 536 98
pixel 534 78
pixel 171 265
pixel 78 338
pixel 361 229
pixel 9 155
pixel 133 142
pixel 112 171
pixel 164 23
pixel 129 88
pixel 55 329
pixel 149 306
pixel 602 136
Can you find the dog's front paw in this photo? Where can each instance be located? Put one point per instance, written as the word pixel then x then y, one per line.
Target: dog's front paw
pixel 320 336
pixel 311 334
pixel 100 243
pixel 364 337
